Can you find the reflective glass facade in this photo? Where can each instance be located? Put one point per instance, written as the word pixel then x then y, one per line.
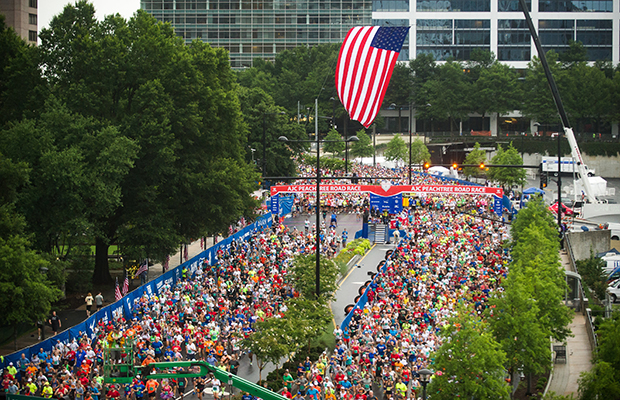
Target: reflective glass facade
pixel 444 28
pixel 575 6
pixel 453 5
pixel 596 36
pixel 445 38
pixel 252 28
pixel 404 52
pixel 513 40
pixel 390 5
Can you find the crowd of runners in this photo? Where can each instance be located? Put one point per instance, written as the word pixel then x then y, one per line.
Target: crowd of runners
pixel 451 252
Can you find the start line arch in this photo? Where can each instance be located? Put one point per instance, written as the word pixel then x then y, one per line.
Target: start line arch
pixel 388 190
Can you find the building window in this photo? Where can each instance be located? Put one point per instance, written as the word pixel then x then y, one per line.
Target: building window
pixel 32 3
pixel 454 5
pixel 575 6
pixel 390 5
pixel 513 40
pixel 32 19
pixel 32 36
pixel 513 5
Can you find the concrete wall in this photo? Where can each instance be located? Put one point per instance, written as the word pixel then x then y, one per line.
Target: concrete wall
pixel 605 166
pixel 582 242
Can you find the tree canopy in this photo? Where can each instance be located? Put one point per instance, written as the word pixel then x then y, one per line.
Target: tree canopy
pixel 507 176
pixel 396 150
pixel 141 141
pixel 470 361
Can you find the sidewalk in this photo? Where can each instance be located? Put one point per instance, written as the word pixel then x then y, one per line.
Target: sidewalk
pixel 578 353
pixel 71 317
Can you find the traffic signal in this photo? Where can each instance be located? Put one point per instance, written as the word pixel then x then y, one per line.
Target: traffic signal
pixel 481 165
pixel 455 166
pixel 543 180
pixel 427 165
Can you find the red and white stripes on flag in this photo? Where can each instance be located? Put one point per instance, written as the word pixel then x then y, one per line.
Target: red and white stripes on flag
pixel 126 285
pixel 365 64
pixel 144 266
pixel 117 291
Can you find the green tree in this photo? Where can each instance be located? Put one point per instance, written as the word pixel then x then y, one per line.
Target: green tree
pixel 178 104
pixel 609 342
pixel 470 360
pixel 513 318
pixel 475 157
pixel 586 95
pixel 423 68
pixel 496 91
pixel 603 380
pixel 304 276
pixel 600 383
pixel 22 89
pixel 363 147
pixel 334 143
pixel 615 98
pixel 576 53
pixel 535 215
pixel 419 153
pixel 271 342
pixel 592 271
pixel 28 293
pixel 507 177
pixel 258 107
pixel 396 149
pixel 537 99
pixel 447 94
pixel 400 88
pixel 309 317
pixel 536 256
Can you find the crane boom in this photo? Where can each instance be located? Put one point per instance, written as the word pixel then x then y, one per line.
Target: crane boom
pixel 583 174
pixel 568 131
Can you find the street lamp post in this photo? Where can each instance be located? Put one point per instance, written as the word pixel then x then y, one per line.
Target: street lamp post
pixel 410 155
pixel 318 199
pixel 43 271
pixel 265 140
pixel 425 378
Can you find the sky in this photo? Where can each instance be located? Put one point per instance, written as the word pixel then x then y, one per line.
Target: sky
pixel 49 8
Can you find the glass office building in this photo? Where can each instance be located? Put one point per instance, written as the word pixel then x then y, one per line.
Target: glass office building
pixel 444 28
pixel 261 28
pixel 453 28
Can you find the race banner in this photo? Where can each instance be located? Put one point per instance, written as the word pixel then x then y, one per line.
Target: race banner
pixel 386 190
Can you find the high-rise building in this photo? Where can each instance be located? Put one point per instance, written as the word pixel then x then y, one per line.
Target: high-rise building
pixel 444 28
pixel 21 15
pixel 261 28
pixel 453 28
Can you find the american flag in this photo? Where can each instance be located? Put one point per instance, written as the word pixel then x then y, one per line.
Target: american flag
pixel 144 266
pixel 365 64
pixel 117 291
pixel 126 285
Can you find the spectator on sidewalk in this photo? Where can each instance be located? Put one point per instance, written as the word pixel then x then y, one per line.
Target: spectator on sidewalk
pixel 89 303
pixel 54 321
pixel 99 301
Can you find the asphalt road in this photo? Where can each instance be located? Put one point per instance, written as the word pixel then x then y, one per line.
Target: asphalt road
pixel 345 295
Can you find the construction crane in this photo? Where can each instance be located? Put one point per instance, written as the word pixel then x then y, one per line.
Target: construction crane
pixel 568 131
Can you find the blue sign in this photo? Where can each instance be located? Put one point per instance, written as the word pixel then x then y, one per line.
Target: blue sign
pixel 497 205
pixel 394 204
pixel 275 205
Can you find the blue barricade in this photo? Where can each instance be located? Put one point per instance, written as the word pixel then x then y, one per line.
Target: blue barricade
pixel 124 307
